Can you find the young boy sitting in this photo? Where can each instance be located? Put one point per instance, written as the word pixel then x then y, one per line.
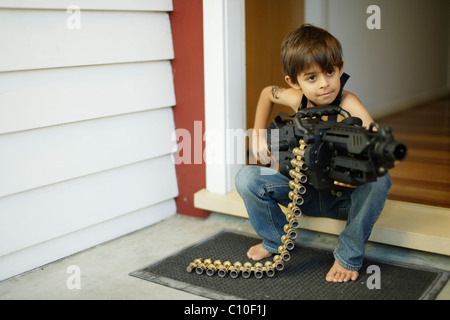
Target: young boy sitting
pixel 312 61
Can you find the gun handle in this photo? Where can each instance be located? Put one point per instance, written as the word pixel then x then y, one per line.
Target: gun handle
pixel 316 112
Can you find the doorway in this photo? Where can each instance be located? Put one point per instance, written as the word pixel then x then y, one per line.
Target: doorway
pixel 267 22
pixel 225 96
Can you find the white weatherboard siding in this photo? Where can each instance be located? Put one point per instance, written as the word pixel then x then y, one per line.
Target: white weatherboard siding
pixel 86 126
pixel 39 98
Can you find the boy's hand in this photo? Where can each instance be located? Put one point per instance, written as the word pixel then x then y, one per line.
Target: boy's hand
pixel 260 149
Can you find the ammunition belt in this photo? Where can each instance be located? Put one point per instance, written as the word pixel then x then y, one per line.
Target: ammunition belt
pixel 211 267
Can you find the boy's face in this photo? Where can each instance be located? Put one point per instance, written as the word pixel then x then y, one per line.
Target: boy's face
pixel 319 86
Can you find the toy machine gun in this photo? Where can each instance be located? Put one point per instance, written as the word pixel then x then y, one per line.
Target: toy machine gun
pixel 311 150
pixel 328 151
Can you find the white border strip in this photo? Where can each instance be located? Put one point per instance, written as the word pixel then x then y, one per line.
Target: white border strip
pixel 225 88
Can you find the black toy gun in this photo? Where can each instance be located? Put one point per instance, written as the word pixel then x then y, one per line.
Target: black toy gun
pixel 328 151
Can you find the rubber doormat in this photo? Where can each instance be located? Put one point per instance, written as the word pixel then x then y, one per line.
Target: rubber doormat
pixel 303 277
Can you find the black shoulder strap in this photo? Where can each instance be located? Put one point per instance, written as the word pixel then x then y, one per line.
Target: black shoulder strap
pixel 338 100
pixel 304 102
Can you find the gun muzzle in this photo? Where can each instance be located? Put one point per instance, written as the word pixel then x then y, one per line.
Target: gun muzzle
pixel 393 151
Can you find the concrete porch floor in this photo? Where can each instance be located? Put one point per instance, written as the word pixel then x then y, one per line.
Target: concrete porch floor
pixel 104 268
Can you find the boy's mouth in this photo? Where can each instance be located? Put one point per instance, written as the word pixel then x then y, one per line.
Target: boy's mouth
pixel 326 94
pixel 324 98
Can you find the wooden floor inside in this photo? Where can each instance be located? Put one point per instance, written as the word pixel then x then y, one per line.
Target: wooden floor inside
pixel 424 176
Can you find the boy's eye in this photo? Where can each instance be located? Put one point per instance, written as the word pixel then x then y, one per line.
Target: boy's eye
pixel 330 72
pixel 311 78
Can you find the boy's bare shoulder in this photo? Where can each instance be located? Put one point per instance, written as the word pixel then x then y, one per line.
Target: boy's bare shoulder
pixel 352 104
pixel 349 98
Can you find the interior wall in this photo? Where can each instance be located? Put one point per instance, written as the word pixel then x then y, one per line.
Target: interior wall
pixel 404 63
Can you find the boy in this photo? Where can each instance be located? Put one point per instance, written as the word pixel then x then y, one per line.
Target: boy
pixel 312 63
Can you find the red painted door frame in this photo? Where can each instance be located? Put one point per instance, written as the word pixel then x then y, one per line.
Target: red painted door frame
pixel 187 32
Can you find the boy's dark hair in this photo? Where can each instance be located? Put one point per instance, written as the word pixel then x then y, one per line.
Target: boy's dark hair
pixel 309 45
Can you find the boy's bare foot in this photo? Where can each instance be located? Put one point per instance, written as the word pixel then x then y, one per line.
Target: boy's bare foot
pixel 338 273
pixel 258 252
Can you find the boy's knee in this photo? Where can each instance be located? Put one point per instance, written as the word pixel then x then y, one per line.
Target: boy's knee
pixel 384 182
pixel 379 190
pixel 243 178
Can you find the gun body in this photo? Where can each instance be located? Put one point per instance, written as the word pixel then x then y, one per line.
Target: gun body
pixel 336 151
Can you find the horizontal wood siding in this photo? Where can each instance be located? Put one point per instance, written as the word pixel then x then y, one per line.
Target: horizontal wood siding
pixel 86 126
pixel 79 203
pixel 121 5
pixel 46 97
pixel 40 38
pixel 35 158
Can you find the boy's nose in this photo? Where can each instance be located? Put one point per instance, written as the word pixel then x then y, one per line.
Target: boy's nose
pixel 323 82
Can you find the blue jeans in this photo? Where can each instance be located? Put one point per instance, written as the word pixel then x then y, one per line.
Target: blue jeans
pixel 263 189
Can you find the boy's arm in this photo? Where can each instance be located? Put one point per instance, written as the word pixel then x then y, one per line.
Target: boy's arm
pixel 353 105
pixel 273 94
pixel 270 95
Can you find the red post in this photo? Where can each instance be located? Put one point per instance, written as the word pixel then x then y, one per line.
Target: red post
pixel 187 31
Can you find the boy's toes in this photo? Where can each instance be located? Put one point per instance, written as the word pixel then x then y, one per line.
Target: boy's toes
pixel 258 253
pixel 340 274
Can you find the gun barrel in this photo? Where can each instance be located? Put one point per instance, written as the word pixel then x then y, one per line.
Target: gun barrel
pixel 395 151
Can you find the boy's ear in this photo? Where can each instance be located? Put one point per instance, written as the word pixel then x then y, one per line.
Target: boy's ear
pixel 291 83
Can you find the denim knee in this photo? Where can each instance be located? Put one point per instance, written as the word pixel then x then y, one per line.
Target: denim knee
pixel 255 179
pixel 384 183
pixel 244 179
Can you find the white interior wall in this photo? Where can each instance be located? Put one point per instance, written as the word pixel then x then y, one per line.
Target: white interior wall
pixel 404 63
